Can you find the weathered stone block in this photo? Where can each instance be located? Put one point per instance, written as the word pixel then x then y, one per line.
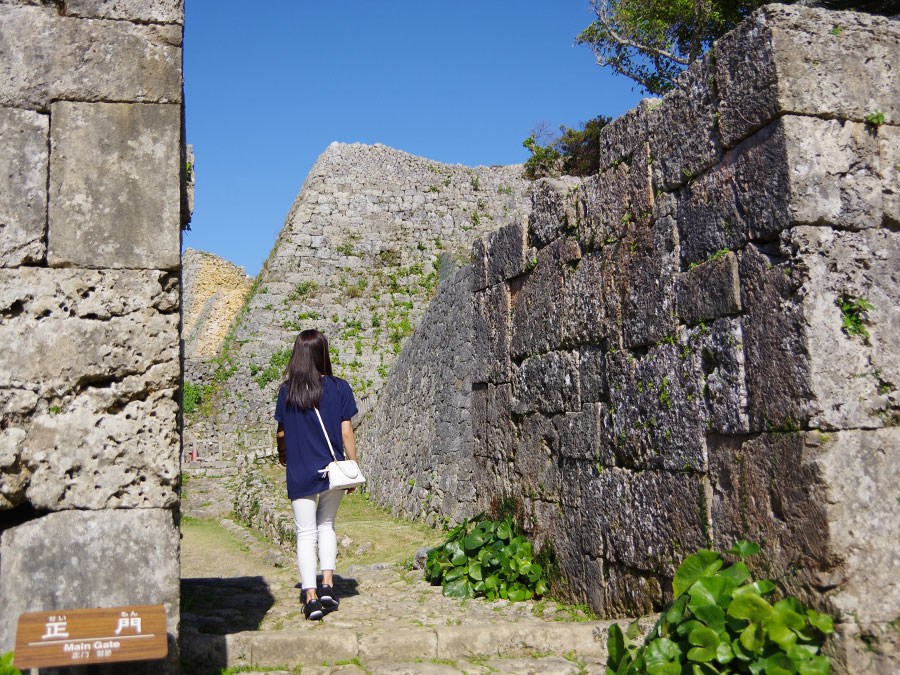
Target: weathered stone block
pixel 613 201
pixel 538 313
pixel 657 411
pixel 534 462
pixel 889 151
pixel 616 505
pixel 625 138
pixel 548 383
pixel 583 435
pixel 853 378
pixel 766 489
pixel 592 302
pixel 790 59
pixel 721 351
pixel 506 253
pixel 81 559
pixel 776 349
pixel 491 345
pixel 630 593
pixel 834 172
pixel 553 210
pixel 860 472
pixel 592 373
pixel 491 422
pixel 24 157
pixel 684 140
pixel 145 11
pixel 49 57
pixel 647 263
pixel 710 290
pixel 92 411
pixel 479 265
pixel 746 195
pixel 127 217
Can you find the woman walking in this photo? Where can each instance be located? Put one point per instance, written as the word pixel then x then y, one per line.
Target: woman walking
pixel 309 391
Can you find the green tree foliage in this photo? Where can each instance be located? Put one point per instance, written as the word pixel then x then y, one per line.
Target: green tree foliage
pixel 576 152
pixel 652 41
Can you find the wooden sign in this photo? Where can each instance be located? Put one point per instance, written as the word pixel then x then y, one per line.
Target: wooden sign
pixel 81 636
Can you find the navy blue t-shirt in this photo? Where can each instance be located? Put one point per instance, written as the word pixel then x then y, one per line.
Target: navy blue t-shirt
pixel 307 449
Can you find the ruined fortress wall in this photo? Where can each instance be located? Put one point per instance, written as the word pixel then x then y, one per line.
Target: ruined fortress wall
pixel 92 159
pixel 358 258
pixel 416 443
pixel 661 361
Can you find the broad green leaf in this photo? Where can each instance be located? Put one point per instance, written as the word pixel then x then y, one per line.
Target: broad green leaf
pixel 711 590
pixel 540 588
pixel 738 573
pixel 757 667
pixel 800 652
pixel 790 603
pixel 821 621
pixel 701 564
pixel 788 617
pixel 456 553
pixel 475 571
pixel 479 587
pixel 685 628
pixel 475 541
pixel 662 657
pixel 749 606
pixel 712 615
pixel 615 646
pixel 739 652
pixel 779 664
pixel 706 641
pixel 703 669
pixel 458 589
pixel 743 549
pixel 517 595
pixel 761 587
pixel 504 530
pixel 753 637
pixel 491 582
pixel 781 635
pixel 724 653
pixel 676 611
pixel 817 665
pixel 454 574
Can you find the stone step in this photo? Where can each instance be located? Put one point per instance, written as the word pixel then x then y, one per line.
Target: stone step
pixel 584 642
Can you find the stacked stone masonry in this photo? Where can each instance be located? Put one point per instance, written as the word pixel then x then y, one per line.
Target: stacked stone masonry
pixel 660 359
pixel 91 210
pixel 359 258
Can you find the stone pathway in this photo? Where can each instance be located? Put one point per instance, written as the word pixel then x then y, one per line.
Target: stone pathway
pixel 240 607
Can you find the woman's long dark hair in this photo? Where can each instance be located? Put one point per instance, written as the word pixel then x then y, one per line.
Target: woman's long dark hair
pixel 309 362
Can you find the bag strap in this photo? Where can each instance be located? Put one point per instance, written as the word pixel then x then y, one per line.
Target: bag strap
pixel 326 435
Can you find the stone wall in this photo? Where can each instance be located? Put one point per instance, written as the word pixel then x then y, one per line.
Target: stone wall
pixel 417 439
pixel 214 292
pixel 358 258
pixel 661 360
pixel 92 155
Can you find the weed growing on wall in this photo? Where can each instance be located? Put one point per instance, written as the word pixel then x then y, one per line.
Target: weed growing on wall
pixel 486 558
pixel 853 314
pixel 277 364
pixel 719 622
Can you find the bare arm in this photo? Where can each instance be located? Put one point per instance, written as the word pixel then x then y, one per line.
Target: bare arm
pixel 282 448
pixel 349 440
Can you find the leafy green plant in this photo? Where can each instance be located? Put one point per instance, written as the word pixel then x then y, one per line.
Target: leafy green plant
pixel 876 119
pixel 6 665
pixel 852 311
pixel 719 622
pixel 486 558
pixel 544 160
pixel 277 365
pixel 303 290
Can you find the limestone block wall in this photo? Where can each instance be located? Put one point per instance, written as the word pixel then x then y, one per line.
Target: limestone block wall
pixel 418 437
pixel 92 159
pixel 661 360
pixel 214 292
pixel 359 259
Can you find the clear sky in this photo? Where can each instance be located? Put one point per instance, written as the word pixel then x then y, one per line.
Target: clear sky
pixel 270 84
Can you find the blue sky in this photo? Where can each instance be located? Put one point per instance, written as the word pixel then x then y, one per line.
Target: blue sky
pixel 269 85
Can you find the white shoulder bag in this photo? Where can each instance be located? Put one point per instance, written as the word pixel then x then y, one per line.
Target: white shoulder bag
pixel 341 474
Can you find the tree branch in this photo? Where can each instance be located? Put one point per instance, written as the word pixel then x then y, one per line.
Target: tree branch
pixel 603 17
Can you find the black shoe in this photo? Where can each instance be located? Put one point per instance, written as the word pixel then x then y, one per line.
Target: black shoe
pixel 313 610
pixel 329 598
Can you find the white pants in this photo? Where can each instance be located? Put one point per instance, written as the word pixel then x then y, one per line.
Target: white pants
pixel 315 524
